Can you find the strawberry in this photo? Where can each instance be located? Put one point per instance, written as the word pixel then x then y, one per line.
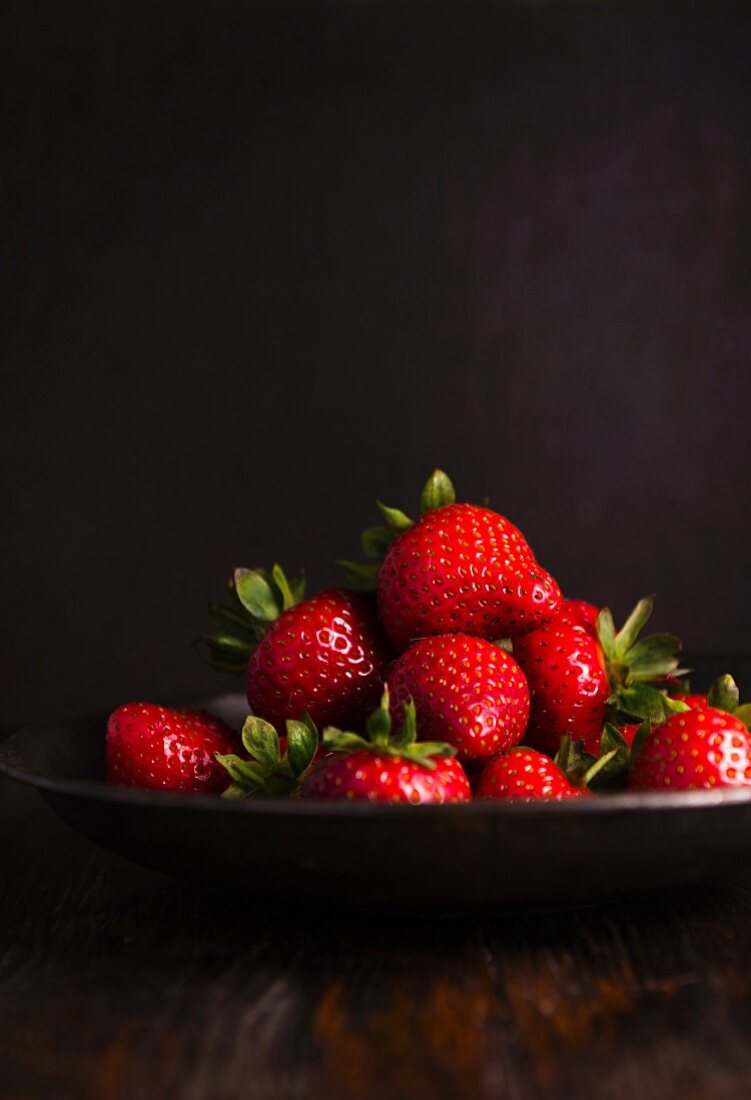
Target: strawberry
pixel 580 673
pixel 703 747
pixel 459 569
pixel 620 747
pixel 164 749
pixel 325 656
pixel 387 767
pixel 276 765
pixel 524 775
pixel 466 690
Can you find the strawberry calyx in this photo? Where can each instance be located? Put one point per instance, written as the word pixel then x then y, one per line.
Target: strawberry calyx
pixel 437 492
pixel 270 771
pixel 609 770
pixel 637 668
pixel 573 761
pixel 257 597
pixel 724 695
pixel 381 739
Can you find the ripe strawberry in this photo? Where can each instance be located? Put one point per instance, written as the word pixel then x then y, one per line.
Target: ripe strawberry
pixel 326 656
pixel 276 765
pixel 383 767
pixel 163 749
pixel 524 774
pixel 703 747
pixel 467 691
pixel 580 672
pixel 459 569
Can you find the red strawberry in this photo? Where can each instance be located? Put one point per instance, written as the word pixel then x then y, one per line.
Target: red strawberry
pixel 171 750
pixel 382 767
pixel 703 747
pixel 524 774
pixel 580 672
pixel 467 691
pixel 462 569
pixel 459 569
pixel 326 656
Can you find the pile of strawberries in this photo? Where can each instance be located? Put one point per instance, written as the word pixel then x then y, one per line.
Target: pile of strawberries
pixel 451 668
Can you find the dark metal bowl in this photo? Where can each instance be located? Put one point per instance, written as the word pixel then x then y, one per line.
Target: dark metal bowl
pixel 484 853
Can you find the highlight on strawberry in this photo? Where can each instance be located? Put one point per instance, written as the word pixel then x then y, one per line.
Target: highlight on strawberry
pixel 325 656
pixel 167 749
pixel 382 765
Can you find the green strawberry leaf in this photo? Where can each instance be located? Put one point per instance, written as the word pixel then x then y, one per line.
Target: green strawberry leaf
pixel 640 737
pixel 362 576
pixel 395 519
pixel 256 595
pixel 375 542
pixel 228 642
pixel 606 631
pixel 285 590
pixel 302 742
pixel 633 625
pixel 609 771
pixel 744 713
pixel 260 739
pixel 243 772
pixel 343 741
pixel 378 725
pixel 234 623
pixel 438 492
pixel 408 733
pixel 646 702
pixel 235 790
pixel 654 656
pixel 572 760
pixel 724 694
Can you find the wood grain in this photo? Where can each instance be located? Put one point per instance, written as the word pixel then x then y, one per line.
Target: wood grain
pixel 116 983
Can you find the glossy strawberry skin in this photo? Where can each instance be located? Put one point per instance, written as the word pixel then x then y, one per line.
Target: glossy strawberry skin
pixel 368 777
pixel 565 669
pixel 700 748
pixel 524 775
pixel 164 749
pixel 466 691
pixel 462 569
pixel 327 656
pixel 695 701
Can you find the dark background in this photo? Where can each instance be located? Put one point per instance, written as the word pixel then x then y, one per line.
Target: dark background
pixel 264 263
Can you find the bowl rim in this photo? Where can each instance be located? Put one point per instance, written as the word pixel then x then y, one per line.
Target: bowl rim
pixel 13 766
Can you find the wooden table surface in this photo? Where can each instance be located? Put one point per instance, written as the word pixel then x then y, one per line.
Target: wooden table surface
pixel 118 983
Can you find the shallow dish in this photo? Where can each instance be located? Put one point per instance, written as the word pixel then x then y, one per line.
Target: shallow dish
pixel 484 853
